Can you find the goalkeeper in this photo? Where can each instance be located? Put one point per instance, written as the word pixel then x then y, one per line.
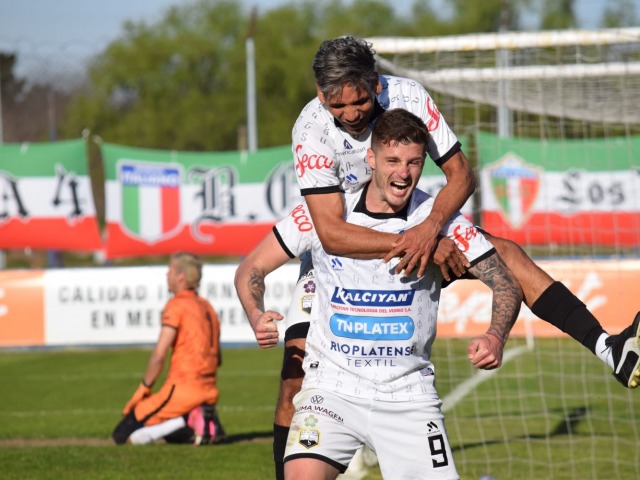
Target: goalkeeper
pixel 183 409
pixel 329 142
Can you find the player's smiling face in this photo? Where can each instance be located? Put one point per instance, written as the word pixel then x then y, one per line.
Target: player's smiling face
pixel 396 171
pixel 352 106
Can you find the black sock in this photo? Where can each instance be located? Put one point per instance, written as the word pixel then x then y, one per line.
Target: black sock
pixel 280 435
pixel 562 309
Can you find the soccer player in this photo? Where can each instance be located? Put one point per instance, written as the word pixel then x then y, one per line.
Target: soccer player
pixel 329 141
pixel 368 375
pixel 183 409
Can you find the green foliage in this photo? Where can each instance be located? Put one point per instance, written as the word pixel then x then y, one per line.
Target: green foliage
pixel 558 14
pixel 179 84
pixel 620 13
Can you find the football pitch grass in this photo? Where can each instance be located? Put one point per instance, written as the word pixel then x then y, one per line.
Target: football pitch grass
pixel 552 412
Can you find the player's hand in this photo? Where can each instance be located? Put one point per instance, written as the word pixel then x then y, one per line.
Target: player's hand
pixel 141 393
pixel 485 351
pixel 449 258
pixel 414 247
pixel 266 329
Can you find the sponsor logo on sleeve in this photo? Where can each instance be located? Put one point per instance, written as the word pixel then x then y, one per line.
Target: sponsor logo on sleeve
pixel 434 115
pixel 305 162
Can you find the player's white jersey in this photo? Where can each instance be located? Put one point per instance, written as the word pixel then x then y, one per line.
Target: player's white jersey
pixel 328 159
pixel 371 330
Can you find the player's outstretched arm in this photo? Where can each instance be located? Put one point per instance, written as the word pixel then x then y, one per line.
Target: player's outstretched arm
pixel 341 238
pixel 417 244
pixel 154 367
pixel 485 351
pixel 250 287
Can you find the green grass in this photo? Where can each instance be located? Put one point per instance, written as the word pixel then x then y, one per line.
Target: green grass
pixel 553 412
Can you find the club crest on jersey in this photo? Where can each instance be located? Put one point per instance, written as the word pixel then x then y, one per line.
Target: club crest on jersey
pixel 150 199
pixel 515 185
pixel 372 298
pixel 306 303
pixel 309 437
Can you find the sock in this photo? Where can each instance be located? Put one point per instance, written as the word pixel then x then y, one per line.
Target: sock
pixel 562 309
pixel 280 434
pixel 603 352
pixel 150 434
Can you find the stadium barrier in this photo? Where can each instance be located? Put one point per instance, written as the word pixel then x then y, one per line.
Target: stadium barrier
pixel 122 305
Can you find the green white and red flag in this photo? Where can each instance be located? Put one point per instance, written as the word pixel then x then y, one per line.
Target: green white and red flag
pixel 46 200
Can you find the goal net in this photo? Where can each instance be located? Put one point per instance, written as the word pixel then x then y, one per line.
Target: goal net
pixel 551 123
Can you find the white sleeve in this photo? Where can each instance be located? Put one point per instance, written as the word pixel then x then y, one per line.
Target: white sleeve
pixel 442 141
pixel 469 239
pixel 313 151
pixel 296 231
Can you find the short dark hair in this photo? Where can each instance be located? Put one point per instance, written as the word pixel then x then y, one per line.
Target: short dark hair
pixel 345 61
pixel 401 126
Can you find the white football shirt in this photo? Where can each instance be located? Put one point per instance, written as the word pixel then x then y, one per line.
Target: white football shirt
pixel 328 159
pixel 371 330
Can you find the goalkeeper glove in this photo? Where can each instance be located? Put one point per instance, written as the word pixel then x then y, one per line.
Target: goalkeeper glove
pixel 141 393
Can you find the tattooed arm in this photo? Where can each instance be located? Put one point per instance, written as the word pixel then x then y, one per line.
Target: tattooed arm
pixel 485 351
pixel 250 287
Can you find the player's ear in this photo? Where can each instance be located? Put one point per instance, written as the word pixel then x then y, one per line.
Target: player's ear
pixel 378 84
pixel 371 158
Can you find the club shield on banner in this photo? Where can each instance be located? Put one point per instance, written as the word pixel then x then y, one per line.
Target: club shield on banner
pixel 145 187
pixel 516 185
pixel 158 202
pixel 561 191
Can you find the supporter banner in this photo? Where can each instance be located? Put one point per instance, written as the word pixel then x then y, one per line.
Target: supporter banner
pixel 122 305
pixel 563 192
pixel 46 201
pixel 433 180
pixel 207 203
pixel 118 306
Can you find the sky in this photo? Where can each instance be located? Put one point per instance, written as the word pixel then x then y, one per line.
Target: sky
pixel 78 29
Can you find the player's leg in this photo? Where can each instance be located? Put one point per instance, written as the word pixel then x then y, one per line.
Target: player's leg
pixel 326 431
pixel 292 374
pixel 146 435
pixel 291 378
pixel 125 428
pixel 159 410
pixel 548 299
pixel 310 469
pixel 411 441
pixel 554 303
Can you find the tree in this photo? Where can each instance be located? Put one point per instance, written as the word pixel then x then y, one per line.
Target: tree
pixel 30 112
pixel 171 85
pixel 558 15
pixel 620 13
pixel 180 83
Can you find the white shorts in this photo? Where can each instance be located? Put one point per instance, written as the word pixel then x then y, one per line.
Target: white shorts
pixel 299 312
pixel 409 438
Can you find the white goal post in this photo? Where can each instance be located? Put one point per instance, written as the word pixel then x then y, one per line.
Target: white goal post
pixel 600 70
pixel 570 100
